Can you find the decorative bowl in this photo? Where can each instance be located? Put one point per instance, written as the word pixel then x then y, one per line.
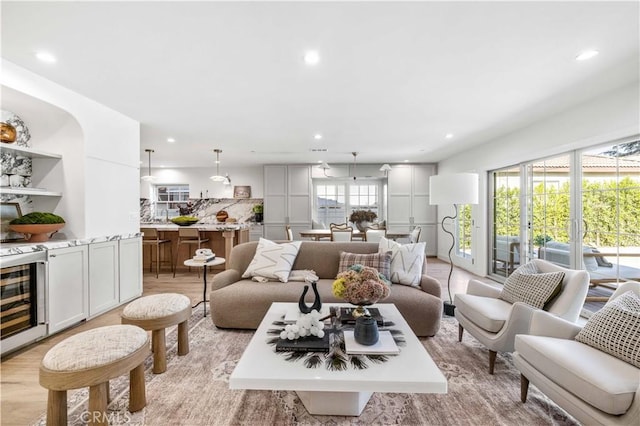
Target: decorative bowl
pixel 38 233
pixel 222 216
pixel 185 220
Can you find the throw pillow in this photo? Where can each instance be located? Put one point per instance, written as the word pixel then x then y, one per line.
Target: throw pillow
pixel 528 285
pixel 406 261
pixel 615 329
pixel 273 260
pixel 379 261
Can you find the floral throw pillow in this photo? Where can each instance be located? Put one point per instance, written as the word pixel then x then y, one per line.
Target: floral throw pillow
pixel 615 329
pixel 406 261
pixel 273 260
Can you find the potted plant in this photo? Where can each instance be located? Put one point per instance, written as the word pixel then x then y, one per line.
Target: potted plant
pixel 38 226
pixel 362 218
pixel 258 211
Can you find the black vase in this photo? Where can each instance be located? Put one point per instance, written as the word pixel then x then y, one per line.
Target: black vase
pixel 366 330
pixel 317 303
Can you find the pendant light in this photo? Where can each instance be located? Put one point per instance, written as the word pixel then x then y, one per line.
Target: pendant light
pixel 355 154
pixel 148 177
pixel 218 177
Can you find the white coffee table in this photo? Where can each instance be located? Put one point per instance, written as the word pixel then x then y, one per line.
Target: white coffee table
pixel 344 392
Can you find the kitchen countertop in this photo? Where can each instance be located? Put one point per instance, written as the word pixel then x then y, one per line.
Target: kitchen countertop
pixel 21 247
pixel 220 226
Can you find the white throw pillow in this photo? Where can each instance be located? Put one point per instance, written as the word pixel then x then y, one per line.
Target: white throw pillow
pixel 273 260
pixel 406 261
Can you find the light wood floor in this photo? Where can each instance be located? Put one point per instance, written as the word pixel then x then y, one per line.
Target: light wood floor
pixel 22 398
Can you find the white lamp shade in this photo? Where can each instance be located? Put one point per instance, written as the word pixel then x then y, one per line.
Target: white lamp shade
pixel 458 188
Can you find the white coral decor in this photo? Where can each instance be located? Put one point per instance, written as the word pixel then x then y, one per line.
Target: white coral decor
pixel 307 325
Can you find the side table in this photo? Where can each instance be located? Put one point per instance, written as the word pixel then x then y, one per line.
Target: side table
pixel 196 264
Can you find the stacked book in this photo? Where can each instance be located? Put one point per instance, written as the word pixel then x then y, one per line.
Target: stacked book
pixel 204 258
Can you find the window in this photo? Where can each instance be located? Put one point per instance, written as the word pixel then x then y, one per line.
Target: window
pixel 464 223
pixel 169 199
pixel 335 200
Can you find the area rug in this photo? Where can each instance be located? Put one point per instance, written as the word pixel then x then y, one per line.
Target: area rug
pixel 194 390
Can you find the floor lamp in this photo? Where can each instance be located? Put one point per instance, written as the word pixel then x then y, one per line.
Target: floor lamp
pixel 458 188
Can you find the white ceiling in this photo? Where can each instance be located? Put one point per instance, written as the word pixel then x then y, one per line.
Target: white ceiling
pixel 394 78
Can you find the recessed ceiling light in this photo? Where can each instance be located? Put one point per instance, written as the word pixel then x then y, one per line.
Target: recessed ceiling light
pixel 317 136
pixel 319 161
pixel 448 135
pixel 587 54
pixel 311 57
pixel 406 161
pixel 171 140
pixel 46 57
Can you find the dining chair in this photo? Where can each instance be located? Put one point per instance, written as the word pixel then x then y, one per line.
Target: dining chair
pixel 341 232
pixel 191 238
pixel 288 232
pixel 373 235
pixel 151 238
pixel 414 236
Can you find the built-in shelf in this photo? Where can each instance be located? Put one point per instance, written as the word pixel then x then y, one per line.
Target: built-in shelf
pixel 31 192
pixel 29 152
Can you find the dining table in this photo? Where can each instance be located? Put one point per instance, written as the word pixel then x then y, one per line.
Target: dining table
pixel 325 234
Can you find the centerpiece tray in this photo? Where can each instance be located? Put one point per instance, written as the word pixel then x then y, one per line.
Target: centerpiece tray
pixel 345 316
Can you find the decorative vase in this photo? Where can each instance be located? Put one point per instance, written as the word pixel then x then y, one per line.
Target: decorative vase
pixel 259 217
pixel 7 133
pixel 366 331
pixel 38 233
pixel 317 303
pixel 362 225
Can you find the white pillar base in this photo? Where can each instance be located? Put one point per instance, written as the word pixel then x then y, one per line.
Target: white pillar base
pixel 334 403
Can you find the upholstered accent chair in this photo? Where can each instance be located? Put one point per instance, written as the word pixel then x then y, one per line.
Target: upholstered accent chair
pixel 593 386
pixel 494 322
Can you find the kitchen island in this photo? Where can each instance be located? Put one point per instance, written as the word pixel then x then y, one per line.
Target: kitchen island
pixel 222 237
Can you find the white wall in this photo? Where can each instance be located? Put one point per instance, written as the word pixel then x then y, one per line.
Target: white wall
pixel 603 119
pixel 101 165
pixel 198 180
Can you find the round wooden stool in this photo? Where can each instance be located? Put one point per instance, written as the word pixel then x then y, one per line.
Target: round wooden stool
pixel 92 358
pixel 155 313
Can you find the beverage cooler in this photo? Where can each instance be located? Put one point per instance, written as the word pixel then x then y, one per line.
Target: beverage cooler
pixel 22 296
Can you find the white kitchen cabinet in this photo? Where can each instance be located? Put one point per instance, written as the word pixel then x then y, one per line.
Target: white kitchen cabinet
pixel 408 202
pixel 287 200
pixel 104 278
pixel 256 232
pixel 130 261
pixel 67 286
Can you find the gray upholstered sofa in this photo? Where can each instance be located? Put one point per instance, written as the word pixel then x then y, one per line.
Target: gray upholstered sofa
pixel 242 303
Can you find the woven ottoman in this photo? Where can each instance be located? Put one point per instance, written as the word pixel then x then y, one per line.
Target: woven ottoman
pixel 155 313
pixel 92 358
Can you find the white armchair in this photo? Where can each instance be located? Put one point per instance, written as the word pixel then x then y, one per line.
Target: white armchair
pixel 591 385
pixel 495 322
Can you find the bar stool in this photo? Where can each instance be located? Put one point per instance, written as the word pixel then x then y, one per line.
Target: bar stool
pixel 151 238
pixel 191 237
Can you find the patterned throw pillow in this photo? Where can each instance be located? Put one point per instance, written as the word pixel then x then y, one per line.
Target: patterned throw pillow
pixel 615 329
pixel 406 261
pixel 528 285
pixel 379 261
pixel 273 260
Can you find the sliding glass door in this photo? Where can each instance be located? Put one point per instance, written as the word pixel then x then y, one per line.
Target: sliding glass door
pixel 610 199
pixel 580 210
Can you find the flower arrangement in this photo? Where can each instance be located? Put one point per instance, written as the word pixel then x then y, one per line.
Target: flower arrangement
pixel 361 285
pixel 362 216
